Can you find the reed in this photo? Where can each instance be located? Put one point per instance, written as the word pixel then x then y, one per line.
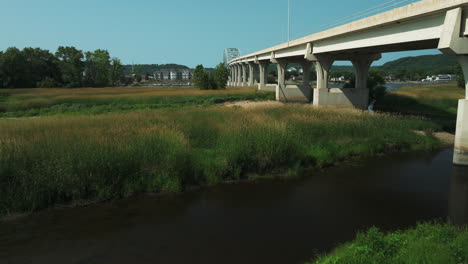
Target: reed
pixel 62 159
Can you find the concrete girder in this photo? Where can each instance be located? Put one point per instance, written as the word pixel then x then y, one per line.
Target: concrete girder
pixel 452 40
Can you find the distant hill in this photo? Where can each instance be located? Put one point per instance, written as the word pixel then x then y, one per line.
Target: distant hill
pixel 427 63
pixel 431 64
pixel 151 68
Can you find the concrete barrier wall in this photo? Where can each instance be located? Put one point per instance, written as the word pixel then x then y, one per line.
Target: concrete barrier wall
pixel 268 87
pixel 295 93
pixel 358 98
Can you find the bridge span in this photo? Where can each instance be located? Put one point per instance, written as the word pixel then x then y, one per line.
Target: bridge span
pixel 428 24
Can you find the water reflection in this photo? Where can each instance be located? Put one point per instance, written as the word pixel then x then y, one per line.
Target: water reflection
pixel 458 200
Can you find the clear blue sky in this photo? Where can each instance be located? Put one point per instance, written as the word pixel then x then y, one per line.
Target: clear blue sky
pixel 187 32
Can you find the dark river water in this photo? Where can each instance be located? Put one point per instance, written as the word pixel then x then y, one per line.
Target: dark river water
pixel 272 221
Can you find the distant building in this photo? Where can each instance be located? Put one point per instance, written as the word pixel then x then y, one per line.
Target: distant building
pixel 230 54
pixel 440 78
pixel 172 74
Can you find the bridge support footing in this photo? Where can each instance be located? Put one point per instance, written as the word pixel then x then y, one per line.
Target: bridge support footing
pixel 461 136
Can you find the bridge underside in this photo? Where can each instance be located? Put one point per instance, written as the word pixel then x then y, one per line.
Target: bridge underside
pixel 429 24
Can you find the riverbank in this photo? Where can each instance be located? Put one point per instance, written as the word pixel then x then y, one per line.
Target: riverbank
pixel 54 160
pixel 426 243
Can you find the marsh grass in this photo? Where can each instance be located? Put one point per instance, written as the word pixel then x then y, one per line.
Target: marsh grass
pixel 37 102
pixel 427 243
pixel 62 159
pixel 436 102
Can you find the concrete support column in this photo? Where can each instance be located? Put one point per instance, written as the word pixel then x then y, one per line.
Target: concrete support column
pixel 234 74
pixel 239 75
pixel 361 67
pixel 231 71
pixel 306 89
pixel 244 74
pixel 280 88
pixel 251 74
pixel 263 67
pixel 461 135
pixel 362 64
pixel 322 66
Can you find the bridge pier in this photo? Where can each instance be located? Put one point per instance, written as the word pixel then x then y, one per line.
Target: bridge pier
pixel 293 93
pixel 280 88
pixel 238 75
pixel 452 42
pixel 461 134
pixel 358 96
pixel 263 84
pixel 244 74
pixel 251 74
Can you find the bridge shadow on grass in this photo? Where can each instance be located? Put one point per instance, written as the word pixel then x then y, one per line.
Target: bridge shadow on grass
pixel 443 112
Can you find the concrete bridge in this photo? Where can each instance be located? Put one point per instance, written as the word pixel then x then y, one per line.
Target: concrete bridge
pixel 428 24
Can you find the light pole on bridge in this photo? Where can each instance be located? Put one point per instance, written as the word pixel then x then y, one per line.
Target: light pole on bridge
pixel 289 20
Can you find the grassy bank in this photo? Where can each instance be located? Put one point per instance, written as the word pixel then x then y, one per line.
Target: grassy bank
pixel 436 102
pixel 427 243
pixel 64 159
pixel 38 102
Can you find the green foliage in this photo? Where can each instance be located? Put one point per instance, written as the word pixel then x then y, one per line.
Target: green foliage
pixel 141 68
pixel 461 77
pixel 375 83
pixel 34 67
pixel 98 68
pixel 47 82
pixel 220 76
pixel 430 64
pixel 206 81
pixel 27 67
pixel 71 66
pixel 427 243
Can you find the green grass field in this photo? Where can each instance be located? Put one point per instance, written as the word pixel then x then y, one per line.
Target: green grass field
pixel 430 243
pixel 40 102
pixel 438 103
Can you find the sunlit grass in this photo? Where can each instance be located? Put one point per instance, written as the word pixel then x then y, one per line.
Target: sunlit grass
pixel 36 102
pixel 427 243
pixel 446 91
pixel 62 159
pixel 436 102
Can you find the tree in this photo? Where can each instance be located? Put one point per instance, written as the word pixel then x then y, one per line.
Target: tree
pixel 12 68
pixel 460 76
pixel 97 68
pixel 1 76
pixel 201 78
pixel 220 76
pixel 116 71
pixel 71 66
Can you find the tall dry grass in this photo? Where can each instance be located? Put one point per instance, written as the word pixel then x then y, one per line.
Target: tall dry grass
pixel 63 159
pixel 34 102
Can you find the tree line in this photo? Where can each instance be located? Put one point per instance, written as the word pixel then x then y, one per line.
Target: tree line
pixel 215 80
pixel 68 67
